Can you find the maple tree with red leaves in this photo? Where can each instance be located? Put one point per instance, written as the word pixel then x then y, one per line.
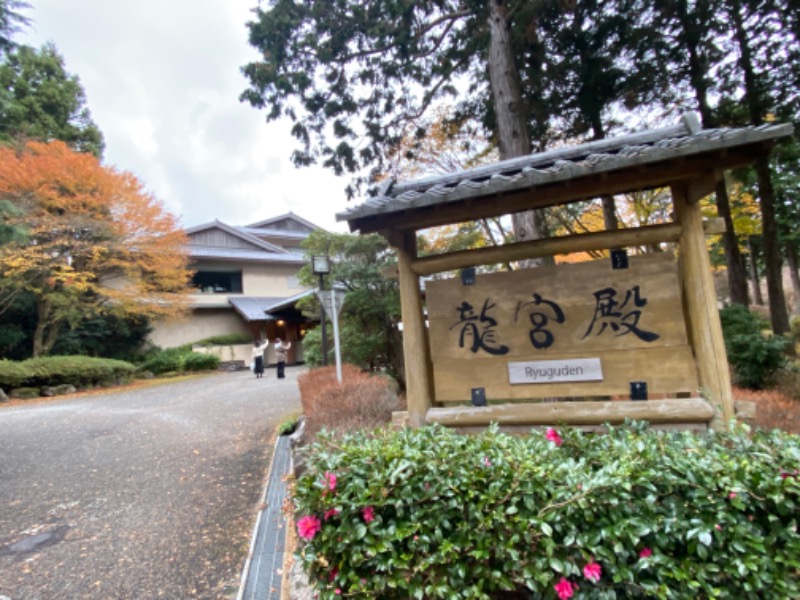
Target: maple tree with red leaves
pixel 94 241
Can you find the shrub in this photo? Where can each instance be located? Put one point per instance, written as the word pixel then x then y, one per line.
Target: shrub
pixel 361 401
pixel 227 339
pixel 80 371
pixel 196 361
pixel 12 374
pixel 288 426
pixel 177 360
pixel 753 356
pixel 164 361
pixel 428 513
pixel 794 323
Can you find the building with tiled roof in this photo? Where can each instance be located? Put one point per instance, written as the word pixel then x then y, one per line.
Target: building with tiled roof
pixel 245 282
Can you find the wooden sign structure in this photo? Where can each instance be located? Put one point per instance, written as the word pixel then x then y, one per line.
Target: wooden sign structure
pixel 572 331
pixel 577 330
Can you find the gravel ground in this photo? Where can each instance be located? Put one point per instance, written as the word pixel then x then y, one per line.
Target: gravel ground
pixel 141 493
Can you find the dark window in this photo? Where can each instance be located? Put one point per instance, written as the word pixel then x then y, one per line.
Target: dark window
pixel 218 282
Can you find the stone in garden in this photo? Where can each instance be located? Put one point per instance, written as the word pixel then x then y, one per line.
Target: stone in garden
pixel 298 464
pixel 298 437
pixel 3 398
pixel 24 393
pixel 299 588
pixel 59 390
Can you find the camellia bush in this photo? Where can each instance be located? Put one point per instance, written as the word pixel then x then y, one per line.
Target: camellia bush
pixel 428 513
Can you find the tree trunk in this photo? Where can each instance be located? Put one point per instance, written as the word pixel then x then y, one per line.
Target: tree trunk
pixel 512 126
pixel 791 258
pixel 44 308
pixel 737 274
pixel 773 260
pixel 698 71
pixel 755 106
pixel 757 297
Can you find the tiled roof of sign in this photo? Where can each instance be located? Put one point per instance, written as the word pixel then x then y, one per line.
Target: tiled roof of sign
pixel 560 165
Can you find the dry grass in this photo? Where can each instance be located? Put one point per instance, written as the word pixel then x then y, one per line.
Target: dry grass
pixel 774 409
pixel 361 401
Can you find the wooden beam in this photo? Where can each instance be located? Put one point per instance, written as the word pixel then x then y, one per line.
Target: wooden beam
pixel 677 410
pixel 416 354
pixel 641 177
pixel 702 186
pixel 702 313
pixel 602 240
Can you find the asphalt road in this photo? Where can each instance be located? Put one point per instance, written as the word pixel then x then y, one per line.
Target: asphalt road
pixel 137 494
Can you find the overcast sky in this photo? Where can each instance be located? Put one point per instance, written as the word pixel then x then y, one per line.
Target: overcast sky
pixel 162 80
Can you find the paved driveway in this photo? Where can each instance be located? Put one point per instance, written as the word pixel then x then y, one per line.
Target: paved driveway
pixel 139 494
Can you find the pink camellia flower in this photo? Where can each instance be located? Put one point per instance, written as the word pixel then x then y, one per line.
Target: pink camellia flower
pixel 718 527
pixel 334 573
pixel 308 527
pixel 592 571
pixel 330 481
pixel 732 495
pixel 330 513
pixel 369 514
pixel 564 588
pixel 487 462
pixel 645 552
pixel 553 436
pixel 337 591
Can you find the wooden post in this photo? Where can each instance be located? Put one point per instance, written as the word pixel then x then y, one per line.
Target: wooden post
pixel 702 312
pixel 416 354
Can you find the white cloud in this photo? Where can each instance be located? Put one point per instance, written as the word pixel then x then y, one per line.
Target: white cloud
pixel 162 79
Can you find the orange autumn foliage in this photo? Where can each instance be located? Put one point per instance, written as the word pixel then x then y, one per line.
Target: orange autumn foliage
pixel 96 240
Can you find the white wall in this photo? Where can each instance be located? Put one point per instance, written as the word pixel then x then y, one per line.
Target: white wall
pixel 199 325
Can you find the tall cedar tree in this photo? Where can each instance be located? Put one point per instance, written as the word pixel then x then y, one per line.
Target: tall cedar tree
pixel 11 22
pixel 353 75
pixel 97 242
pixel 45 102
pixel 692 31
pixel 582 64
pixel 761 47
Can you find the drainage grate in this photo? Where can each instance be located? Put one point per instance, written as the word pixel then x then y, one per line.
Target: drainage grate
pixel 263 579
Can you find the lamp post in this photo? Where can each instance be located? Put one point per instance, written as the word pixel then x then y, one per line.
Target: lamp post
pixel 321 265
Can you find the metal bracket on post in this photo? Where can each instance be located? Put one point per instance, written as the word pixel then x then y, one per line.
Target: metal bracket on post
pixel 619 258
pixel 479 396
pixel 638 390
pixel 468 276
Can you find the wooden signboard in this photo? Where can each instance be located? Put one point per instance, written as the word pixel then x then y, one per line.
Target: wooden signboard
pixel 583 329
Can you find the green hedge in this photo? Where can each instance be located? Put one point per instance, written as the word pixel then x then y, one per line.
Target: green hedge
pixel 753 355
pixel 196 361
pixel 179 359
pixel 80 371
pixel 428 513
pixel 225 339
